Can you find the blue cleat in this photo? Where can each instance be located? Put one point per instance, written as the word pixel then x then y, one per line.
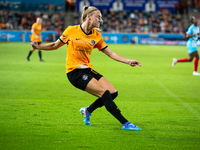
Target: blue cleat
pixel 129 126
pixel 86 115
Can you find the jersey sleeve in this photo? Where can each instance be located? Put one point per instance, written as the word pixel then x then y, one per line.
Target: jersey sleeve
pixel 189 31
pixel 101 45
pixel 65 35
pixel 34 26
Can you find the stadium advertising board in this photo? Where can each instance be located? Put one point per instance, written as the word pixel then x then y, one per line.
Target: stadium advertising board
pixel 114 38
pixel 161 39
pixel 122 38
pixel 141 5
pixel 164 41
pixel 22 36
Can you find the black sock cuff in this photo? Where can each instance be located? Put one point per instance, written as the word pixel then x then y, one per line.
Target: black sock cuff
pixel 114 95
pixel 106 96
pixel 108 102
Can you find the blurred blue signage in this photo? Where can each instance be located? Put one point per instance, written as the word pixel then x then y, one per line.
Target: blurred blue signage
pixel 114 38
pixel 25 36
pixel 123 38
pixel 141 5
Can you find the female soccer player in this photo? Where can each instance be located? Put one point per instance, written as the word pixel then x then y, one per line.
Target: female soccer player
pixel 81 40
pixel 193 34
pixel 36 36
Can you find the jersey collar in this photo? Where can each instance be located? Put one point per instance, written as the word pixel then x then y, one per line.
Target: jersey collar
pixel 84 31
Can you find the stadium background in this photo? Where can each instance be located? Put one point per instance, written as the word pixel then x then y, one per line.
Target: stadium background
pixel 127 21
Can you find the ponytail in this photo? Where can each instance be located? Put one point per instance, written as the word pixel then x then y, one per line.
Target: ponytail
pixel 84 13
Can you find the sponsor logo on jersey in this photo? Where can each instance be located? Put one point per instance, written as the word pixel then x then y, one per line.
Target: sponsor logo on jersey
pixel 92 42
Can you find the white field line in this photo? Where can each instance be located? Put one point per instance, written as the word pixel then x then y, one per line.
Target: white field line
pixel 186 105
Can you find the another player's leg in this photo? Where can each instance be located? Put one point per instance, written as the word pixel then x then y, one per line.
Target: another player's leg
pixel 174 61
pixel 40 55
pixel 196 63
pixel 29 54
pixel 40 52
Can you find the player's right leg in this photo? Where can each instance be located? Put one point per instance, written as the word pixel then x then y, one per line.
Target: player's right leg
pixel 174 61
pixel 189 59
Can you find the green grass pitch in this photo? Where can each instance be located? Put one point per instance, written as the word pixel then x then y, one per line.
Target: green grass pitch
pixel 39 108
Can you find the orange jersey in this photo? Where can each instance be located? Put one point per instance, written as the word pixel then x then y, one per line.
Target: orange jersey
pixel 80 46
pixel 37 30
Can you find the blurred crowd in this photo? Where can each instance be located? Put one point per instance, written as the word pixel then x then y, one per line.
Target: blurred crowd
pixel 113 21
pixel 15 20
pixel 139 22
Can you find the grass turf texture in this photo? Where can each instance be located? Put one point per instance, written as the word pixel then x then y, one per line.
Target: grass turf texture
pixel 39 108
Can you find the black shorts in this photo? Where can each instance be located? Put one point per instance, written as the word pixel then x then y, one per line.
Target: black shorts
pixel 81 77
pixel 39 43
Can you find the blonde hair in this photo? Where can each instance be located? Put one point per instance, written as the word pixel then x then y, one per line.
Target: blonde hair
pixel 89 10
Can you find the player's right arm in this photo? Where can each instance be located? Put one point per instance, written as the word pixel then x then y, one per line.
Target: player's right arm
pixel 33 32
pixel 189 33
pixel 54 45
pixel 50 46
pixel 120 58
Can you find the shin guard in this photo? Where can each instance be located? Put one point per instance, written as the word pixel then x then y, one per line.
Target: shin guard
pixel 108 102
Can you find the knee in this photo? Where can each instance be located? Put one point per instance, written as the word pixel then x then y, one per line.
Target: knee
pixel 106 96
pixel 190 59
pixel 108 102
pixel 114 95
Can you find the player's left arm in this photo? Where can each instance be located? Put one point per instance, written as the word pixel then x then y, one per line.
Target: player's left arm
pixel 120 58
